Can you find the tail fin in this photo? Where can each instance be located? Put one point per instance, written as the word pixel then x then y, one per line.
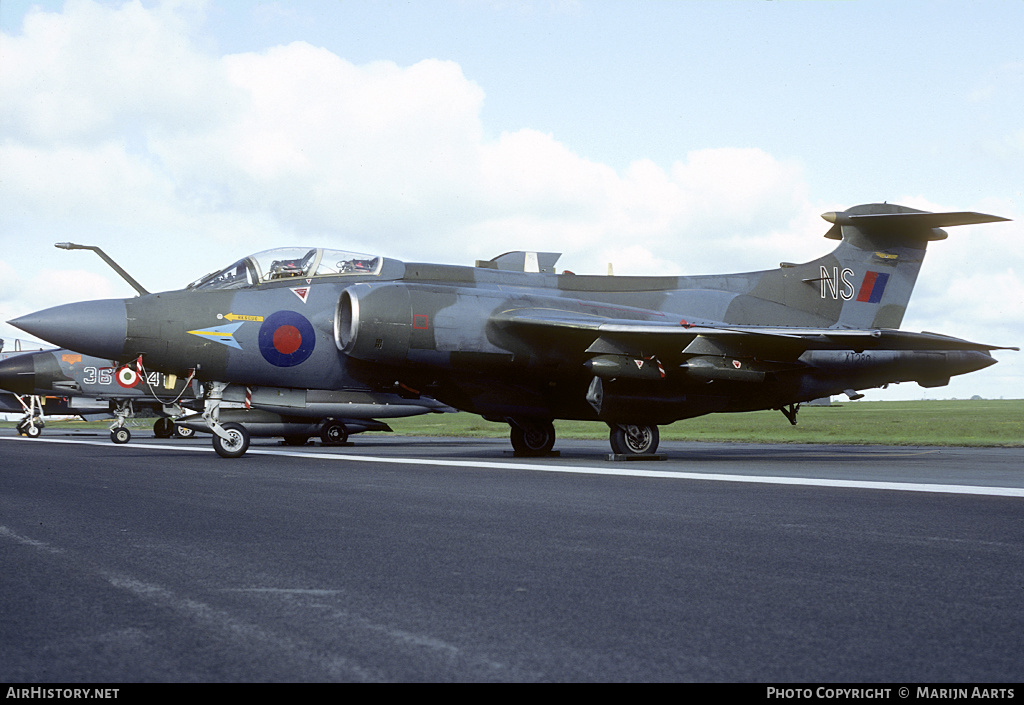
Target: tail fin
pixel 866 282
pixel 879 258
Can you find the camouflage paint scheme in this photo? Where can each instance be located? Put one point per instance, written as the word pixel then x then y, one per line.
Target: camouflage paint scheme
pixel 512 340
pixel 64 382
pixel 20 398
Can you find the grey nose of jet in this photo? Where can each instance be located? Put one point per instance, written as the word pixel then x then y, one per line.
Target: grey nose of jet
pixel 96 328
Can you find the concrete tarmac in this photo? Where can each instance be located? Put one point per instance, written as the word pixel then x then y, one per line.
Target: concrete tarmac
pixel 411 559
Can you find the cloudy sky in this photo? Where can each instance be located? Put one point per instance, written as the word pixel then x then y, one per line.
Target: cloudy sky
pixel 664 137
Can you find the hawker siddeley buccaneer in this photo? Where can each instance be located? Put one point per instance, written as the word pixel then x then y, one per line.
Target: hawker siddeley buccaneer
pixel 103 384
pixel 513 341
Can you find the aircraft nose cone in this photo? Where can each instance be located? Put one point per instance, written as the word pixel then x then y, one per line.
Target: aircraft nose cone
pixel 96 328
pixel 18 374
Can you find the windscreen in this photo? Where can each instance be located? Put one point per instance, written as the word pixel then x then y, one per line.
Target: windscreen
pixel 289 263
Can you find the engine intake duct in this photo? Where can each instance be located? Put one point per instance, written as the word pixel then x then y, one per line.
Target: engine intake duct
pixel 374 323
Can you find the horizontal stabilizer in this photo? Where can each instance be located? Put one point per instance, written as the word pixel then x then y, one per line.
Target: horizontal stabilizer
pixel 918 225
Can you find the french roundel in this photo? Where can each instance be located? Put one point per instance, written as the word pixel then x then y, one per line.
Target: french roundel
pixel 127 377
pixel 286 339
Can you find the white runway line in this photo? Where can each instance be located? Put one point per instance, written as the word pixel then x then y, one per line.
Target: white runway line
pixel 617 471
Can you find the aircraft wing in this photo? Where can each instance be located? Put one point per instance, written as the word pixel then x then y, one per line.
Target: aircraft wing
pixel 616 336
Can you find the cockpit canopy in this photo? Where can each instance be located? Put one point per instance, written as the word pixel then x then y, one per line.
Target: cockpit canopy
pixel 287 263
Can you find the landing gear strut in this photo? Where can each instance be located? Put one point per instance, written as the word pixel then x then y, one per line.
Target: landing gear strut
pixel 32 423
pixel 119 433
pixel 230 440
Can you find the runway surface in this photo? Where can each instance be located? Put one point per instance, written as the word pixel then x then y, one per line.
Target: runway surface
pixel 412 559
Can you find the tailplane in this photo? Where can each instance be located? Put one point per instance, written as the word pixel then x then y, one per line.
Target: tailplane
pixel 878 261
pixel 867 280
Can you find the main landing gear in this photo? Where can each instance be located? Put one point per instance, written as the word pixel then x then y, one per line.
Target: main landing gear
pixel 532 437
pixel 634 439
pixel 164 427
pixel 536 437
pixel 333 433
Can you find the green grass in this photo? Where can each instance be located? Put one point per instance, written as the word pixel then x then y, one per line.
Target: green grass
pixel 939 423
pixel 953 423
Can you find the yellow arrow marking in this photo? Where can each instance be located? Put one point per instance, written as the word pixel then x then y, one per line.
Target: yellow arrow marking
pixel 237 317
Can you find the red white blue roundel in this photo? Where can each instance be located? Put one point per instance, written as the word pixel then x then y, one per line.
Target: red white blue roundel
pixel 286 339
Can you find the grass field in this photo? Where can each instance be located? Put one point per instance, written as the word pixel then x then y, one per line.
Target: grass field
pixel 966 423
pixel 952 423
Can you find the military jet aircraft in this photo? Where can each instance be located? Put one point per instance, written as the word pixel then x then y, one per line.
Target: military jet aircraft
pixel 30 406
pixel 513 341
pixel 90 386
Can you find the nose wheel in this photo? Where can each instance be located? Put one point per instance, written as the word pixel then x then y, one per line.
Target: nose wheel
pixel 230 440
pixel 122 411
pixel 32 427
pixel 234 441
pixel 32 423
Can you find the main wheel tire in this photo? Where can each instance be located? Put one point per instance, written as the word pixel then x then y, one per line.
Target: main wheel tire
pixel 534 438
pixel 163 427
pixel 236 443
pixel 634 439
pixel 120 435
pixel 333 433
pixel 32 431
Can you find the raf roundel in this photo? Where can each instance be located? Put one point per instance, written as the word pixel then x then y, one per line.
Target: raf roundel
pixel 286 339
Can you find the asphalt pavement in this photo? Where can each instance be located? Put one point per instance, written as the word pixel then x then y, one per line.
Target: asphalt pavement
pixel 410 559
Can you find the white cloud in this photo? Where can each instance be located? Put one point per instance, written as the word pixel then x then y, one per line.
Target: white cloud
pixel 302 141
pixel 80 74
